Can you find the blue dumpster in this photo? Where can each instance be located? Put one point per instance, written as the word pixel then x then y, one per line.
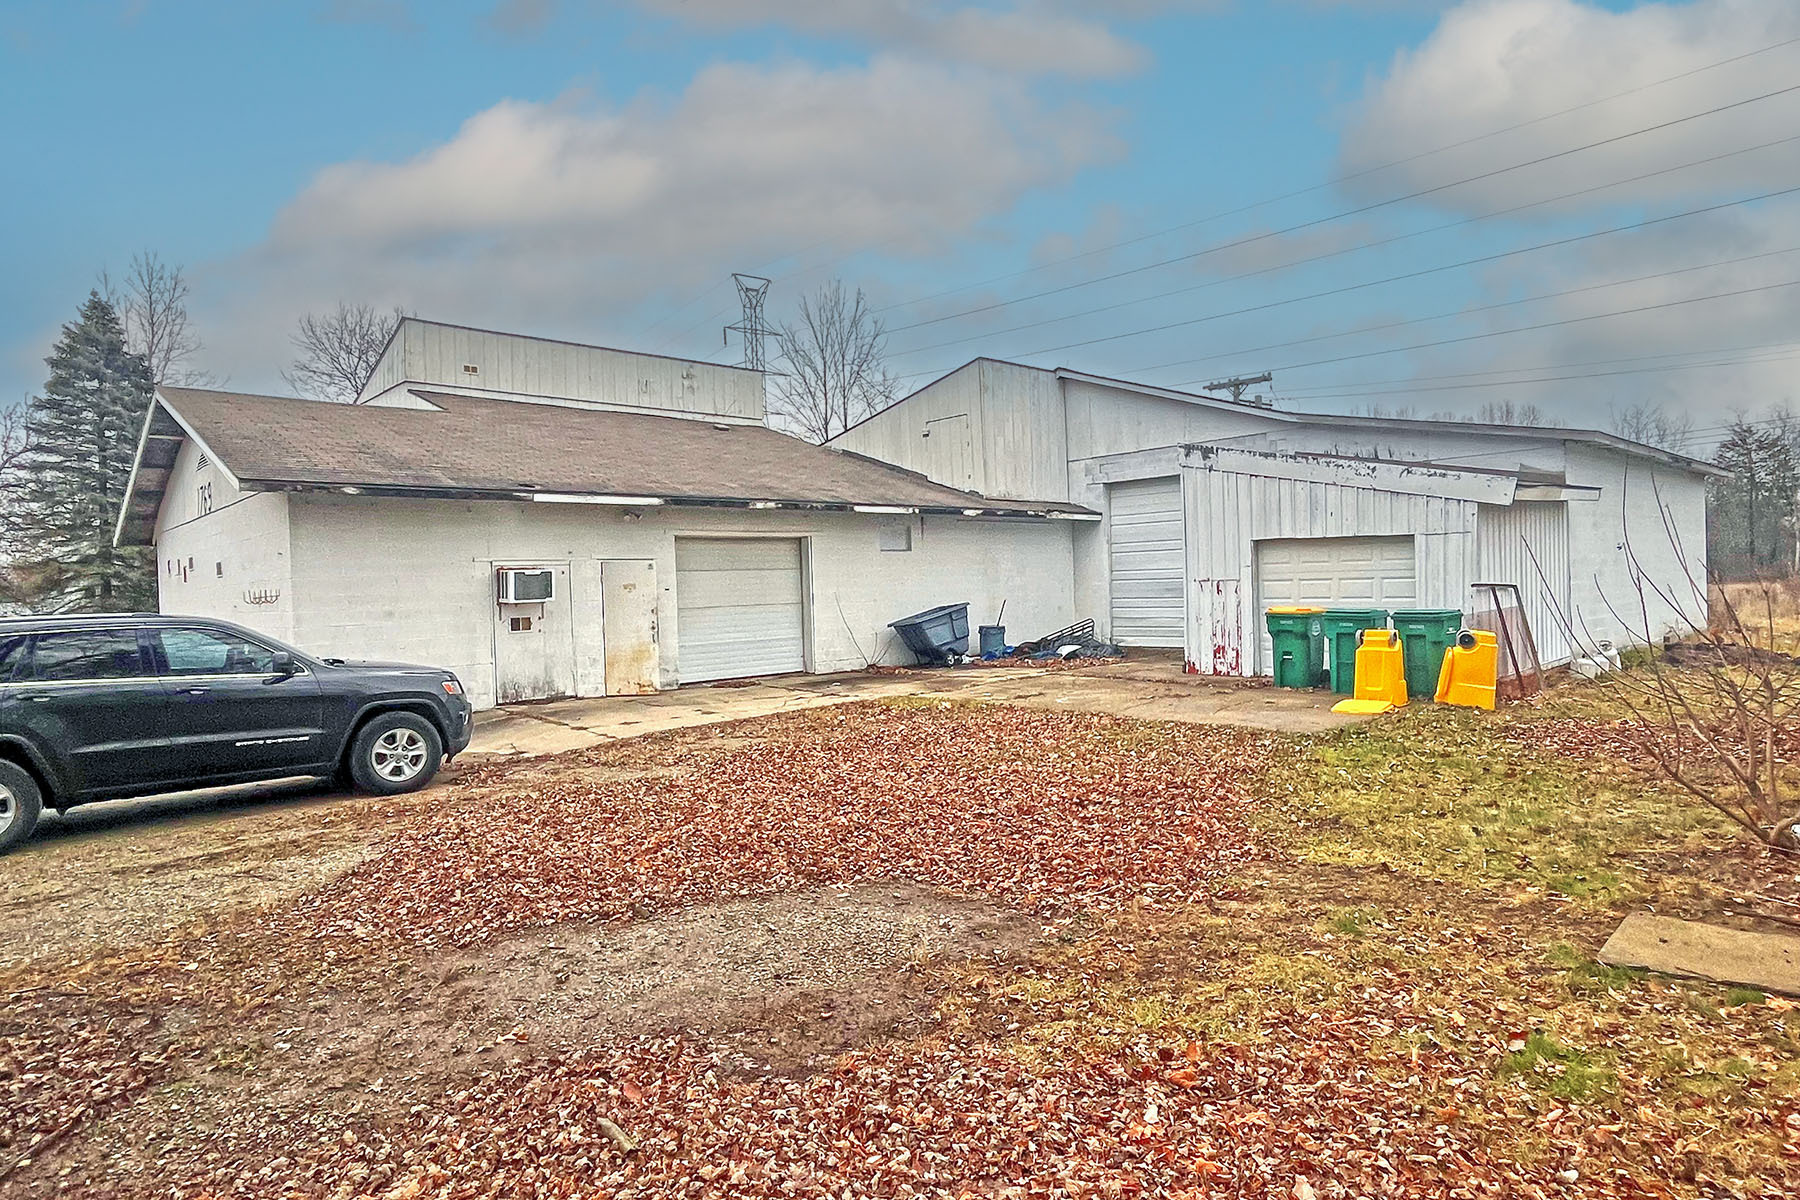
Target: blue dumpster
pixel 937 634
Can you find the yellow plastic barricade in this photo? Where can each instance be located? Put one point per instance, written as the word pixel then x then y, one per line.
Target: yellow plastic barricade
pixel 1471 670
pixel 1380 674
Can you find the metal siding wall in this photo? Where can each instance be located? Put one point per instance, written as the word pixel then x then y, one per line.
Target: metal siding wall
pixel 1228 512
pixel 1503 536
pixel 435 354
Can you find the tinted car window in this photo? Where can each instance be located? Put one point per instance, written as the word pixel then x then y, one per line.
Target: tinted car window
pixel 12 655
pixel 85 654
pixel 211 652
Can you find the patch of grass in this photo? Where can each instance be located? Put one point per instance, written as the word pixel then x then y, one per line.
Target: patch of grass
pixel 1737 997
pixel 1354 922
pixel 1433 793
pixel 1587 976
pixel 1559 1070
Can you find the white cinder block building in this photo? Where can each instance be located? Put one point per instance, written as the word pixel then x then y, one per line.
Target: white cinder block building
pixel 1215 510
pixel 652 531
pixel 550 519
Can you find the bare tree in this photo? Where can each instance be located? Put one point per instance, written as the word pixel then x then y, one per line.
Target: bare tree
pixel 1651 425
pixel 832 362
pixel 151 302
pixel 1505 412
pixel 1718 713
pixel 338 350
pixel 15 453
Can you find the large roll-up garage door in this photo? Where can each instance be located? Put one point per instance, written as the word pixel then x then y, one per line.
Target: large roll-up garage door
pixel 1148 557
pixel 1352 572
pixel 740 608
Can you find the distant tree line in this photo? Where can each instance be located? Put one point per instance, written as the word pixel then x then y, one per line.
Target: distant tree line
pixel 1753 514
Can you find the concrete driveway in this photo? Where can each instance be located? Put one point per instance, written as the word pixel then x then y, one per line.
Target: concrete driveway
pixel 1147 688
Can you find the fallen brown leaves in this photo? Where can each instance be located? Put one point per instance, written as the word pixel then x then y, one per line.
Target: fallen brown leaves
pixel 953 1118
pixel 1045 811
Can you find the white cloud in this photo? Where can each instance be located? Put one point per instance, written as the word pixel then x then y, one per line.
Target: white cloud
pixel 1029 37
pixel 1492 64
pixel 557 218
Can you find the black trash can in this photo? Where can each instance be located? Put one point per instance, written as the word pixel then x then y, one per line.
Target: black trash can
pixel 937 634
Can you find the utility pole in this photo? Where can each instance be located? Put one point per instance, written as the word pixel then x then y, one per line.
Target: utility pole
pixel 1237 385
pixel 752 291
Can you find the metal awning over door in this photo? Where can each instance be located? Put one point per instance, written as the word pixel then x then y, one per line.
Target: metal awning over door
pixel 1148 556
pixel 740 608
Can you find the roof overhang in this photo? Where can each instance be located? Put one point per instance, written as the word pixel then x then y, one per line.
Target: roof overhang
pixel 1548 433
pixel 610 500
pixel 159 442
pixel 1418 479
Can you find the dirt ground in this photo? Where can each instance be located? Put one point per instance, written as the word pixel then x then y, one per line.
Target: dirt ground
pixel 926 944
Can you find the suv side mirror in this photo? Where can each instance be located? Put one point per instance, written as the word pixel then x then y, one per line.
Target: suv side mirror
pixel 285 666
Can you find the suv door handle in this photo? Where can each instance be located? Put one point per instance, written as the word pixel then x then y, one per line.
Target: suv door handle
pixel 196 691
pixel 36 697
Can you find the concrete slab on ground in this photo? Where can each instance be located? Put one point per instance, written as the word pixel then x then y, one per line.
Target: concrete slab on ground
pixel 555 726
pixel 1148 689
pixel 1768 961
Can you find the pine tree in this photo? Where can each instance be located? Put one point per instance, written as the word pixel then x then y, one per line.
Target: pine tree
pixel 83 433
pixel 1752 507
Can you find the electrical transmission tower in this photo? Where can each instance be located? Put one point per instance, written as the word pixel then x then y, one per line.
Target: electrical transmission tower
pixel 752 291
pixel 1239 384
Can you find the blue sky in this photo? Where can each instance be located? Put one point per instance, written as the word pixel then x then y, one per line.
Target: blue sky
pixel 596 171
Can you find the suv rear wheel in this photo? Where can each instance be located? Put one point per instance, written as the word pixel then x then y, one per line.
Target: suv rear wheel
pixel 395 752
pixel 20 804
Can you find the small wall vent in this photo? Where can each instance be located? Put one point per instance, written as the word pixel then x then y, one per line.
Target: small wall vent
pixel 471 369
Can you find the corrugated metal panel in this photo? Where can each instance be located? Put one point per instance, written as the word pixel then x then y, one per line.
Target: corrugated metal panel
pixel 740 608
pixel 430 353
pixel 1229 513
pixel 1147 553
pixel 1527 543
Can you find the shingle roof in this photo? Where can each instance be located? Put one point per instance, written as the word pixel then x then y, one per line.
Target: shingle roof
pixel 474 445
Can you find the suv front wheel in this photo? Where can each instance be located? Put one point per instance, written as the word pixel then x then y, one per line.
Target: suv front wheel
pixel 395 752
pixel 20 805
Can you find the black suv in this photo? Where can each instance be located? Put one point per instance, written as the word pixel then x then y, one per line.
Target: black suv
pixel 103 707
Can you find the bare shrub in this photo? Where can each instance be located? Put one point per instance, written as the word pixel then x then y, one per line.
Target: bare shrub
pixel 1716 712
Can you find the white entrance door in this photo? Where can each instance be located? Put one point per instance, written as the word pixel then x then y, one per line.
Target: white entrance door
pixel 1148 556
pixel 628 615
pixel 740 608
pixel 1353 572
pixel 534 646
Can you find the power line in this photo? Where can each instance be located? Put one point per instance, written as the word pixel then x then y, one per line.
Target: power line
pixel 1421 272
pixel 1212 283
pixel 1469 311
pixel 1325 391
pixel 1342 179
pixel 1642 308
pixel 1252 239
pixel 1452 387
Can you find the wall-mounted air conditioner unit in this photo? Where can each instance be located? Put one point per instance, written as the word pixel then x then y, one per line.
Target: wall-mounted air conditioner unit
pixel 526 585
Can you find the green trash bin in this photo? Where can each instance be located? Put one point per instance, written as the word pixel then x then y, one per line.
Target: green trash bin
pixel 1299 646
pixel 1341 626
pixel 1425 635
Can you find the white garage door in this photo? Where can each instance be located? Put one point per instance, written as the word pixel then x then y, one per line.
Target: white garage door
pixel 1376 572
pixel 740 608
pixel 1148 559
